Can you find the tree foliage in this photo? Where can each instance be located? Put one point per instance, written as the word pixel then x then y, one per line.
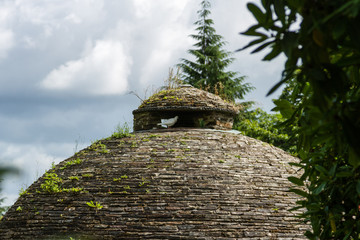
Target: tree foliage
pixel 257 123
pixel 323 60
pixel 208 70
pixel 3 171
pixel 2 208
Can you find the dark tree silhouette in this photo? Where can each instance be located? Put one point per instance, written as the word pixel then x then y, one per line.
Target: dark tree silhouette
pixel 323 101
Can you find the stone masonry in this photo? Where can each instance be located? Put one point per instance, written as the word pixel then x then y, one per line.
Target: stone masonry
pixel 195 108
pixel 166 184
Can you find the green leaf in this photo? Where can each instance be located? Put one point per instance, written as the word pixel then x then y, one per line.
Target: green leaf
pixel 276 50
pixel 296 164
pixel 303 154
pixel 296 181
pixel 354 159
pixel 321 169
pixel 266 4
pixel 296 4
pixel 352 133
pixel 289 43
pixel 346 61
pixel 344 174
pixel 258 14
pixel 339 29
pixel 338 11
pixel 295 208
pixel 299 192
pixel 262 47
pixel 314 206
pixel 280 10
pixel 285 107
pixel 358 187
pixel 252 43
pixel 320 188
pixel 333 170
pixel 252 32
pixel 90 204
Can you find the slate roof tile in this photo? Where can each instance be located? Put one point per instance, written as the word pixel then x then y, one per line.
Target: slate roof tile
pixel 173 184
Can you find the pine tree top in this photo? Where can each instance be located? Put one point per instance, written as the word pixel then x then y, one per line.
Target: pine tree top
pixel 208 70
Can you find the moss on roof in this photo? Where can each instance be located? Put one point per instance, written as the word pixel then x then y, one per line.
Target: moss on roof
pixel 186 97
pixel 172 184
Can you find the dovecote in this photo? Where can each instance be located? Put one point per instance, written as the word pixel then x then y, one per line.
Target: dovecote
pixel 185 182
pixel 194 107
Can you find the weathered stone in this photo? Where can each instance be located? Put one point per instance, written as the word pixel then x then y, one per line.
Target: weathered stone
pixel 186 193
pixel 195 108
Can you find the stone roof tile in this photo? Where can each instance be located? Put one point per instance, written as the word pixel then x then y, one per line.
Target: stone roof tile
pixel 172 184
pixel 186 98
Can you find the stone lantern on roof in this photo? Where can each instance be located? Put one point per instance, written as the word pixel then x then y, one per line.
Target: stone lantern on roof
pixel 196 108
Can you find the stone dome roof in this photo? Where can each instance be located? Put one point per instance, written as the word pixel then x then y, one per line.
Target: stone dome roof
pixel 163 184
pixel 186 97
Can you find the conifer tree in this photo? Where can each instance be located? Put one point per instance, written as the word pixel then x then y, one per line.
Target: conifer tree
pixel 208 70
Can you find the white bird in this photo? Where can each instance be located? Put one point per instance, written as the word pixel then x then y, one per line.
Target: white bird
pixel 168 122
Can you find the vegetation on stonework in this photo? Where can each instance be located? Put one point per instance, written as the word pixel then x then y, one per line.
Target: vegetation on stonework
pixel 98 146
pixel 121 131
pixel 96 205
pixel 23 192
pixel 322 49
pixel 72 162
pixel 52 183
pixel 174 79
pixel 208 70
pixel 76 178
pixel 172 83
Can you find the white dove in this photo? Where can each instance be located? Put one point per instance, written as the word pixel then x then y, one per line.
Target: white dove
pixel 168 122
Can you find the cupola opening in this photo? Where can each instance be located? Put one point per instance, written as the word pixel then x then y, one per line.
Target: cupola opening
pixel 195 108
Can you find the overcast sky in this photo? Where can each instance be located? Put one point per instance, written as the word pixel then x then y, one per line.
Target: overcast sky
pixel 66 67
